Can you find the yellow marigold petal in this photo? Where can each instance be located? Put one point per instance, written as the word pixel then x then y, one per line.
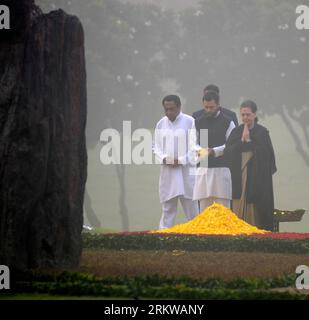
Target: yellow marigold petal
pixel 215 219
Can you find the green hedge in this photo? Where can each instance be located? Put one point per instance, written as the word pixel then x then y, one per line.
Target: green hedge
pixel 158 287
pixel 194 243
pixel 158 280
pixel 163 292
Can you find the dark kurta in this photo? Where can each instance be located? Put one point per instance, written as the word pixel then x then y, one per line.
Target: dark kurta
pixel 260 170
pixel 228 113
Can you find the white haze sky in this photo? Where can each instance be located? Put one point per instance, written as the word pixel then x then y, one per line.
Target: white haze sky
pixel 169 4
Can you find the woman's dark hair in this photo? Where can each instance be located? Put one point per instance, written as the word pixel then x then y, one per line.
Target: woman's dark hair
pixel 251 105
pixel 173 98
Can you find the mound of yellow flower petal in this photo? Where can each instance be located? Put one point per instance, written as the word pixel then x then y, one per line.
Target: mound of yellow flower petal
pixel 216 219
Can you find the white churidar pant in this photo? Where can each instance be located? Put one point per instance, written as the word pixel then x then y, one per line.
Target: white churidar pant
pixel 169 211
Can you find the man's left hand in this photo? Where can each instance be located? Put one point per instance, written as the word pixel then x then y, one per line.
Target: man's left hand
pixel 211 152
pixel 175 164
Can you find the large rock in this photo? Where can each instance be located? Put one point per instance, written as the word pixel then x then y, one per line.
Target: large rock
pixel 43 159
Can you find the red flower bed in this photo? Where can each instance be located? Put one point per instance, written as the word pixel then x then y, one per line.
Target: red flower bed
pixel 273 235
pixel 283 235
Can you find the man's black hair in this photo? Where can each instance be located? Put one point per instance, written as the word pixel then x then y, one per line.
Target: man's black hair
pixel 212 87
pixel 172 97
pixel 211 95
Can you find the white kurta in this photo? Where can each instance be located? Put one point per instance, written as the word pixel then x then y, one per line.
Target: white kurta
pixel 177 181
pixel 214 182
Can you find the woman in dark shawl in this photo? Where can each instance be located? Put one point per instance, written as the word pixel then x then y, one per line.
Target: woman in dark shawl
pixel 252 163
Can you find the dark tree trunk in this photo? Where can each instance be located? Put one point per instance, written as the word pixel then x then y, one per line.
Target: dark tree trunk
pixel 43 159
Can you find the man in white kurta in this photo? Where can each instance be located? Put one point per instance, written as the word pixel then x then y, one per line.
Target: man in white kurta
pixel 213 183
pixel 174 140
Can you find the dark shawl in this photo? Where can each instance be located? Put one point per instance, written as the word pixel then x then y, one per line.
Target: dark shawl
pixel 260 170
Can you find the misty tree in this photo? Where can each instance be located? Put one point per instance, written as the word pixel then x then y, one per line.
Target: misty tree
pixel 137 53
pixel 123 47
pixel 254 51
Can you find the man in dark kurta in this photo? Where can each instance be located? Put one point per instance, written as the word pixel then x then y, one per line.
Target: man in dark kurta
pixel 260 167
pixel 213 182
pixel 227 112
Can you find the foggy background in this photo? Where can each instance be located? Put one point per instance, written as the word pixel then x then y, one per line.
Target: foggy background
pixel 137 51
